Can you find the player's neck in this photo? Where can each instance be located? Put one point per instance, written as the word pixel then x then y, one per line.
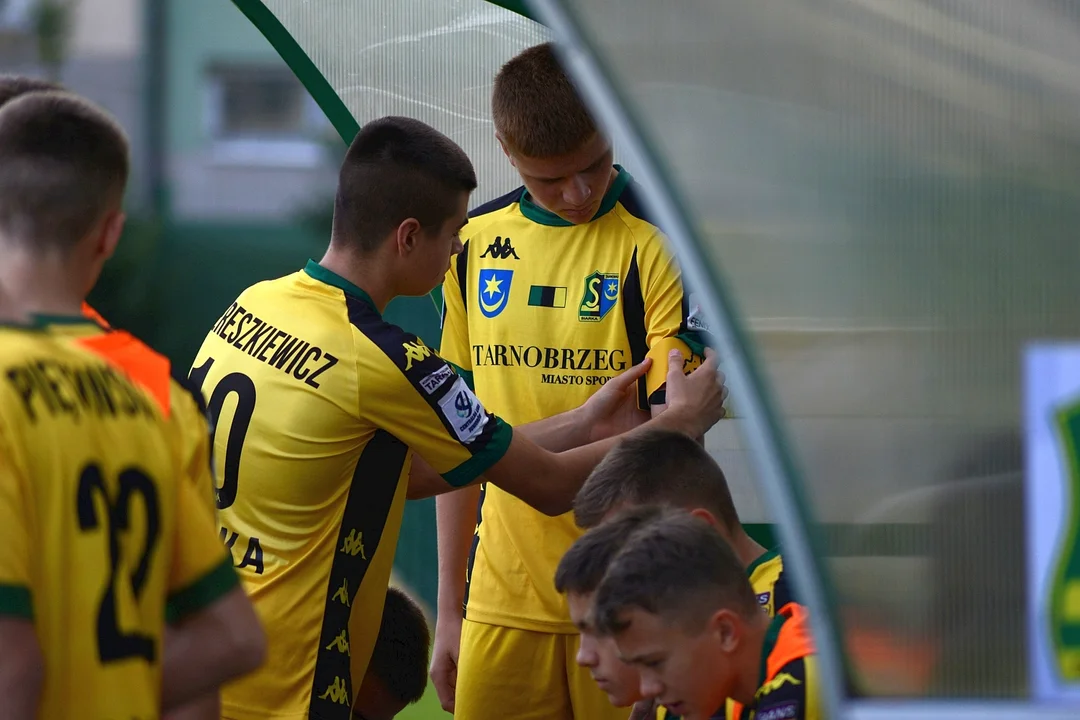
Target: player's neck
pixel 39 286
pixel 363 273
pixel 746 548
pixel 749 677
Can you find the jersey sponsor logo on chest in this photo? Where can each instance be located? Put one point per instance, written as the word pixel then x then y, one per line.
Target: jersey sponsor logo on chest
pixel 493 290
pixel 601 294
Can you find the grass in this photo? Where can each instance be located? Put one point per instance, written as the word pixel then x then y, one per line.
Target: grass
pixel 427 709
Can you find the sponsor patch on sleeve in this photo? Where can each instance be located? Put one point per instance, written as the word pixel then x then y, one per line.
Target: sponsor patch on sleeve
pixel 695 318
pixel 763 598
pixel 433 381
pixel 463 411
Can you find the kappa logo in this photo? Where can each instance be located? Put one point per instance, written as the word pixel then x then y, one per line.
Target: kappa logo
pixel 336 693
pixel 776 683
pixel 435 380
pixel 501 249
pixel 601 294
pixel 494 291
pixel 415 352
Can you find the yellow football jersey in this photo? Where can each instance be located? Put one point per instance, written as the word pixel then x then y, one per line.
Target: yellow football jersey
pixel 184 409
pixel 539 314
pixel 769 582
pixel 99 529
pixel 317 404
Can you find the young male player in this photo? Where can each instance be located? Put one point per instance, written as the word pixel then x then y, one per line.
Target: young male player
pixel 669 468
pixel 84 592
pixel 676 600
pixel 319 404
pixel 562 284
pixel 397 673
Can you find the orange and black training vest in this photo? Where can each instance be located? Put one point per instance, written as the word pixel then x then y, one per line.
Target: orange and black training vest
pixel 788 686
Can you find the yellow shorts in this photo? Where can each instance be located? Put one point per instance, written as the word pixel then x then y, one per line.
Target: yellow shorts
pixel 505 672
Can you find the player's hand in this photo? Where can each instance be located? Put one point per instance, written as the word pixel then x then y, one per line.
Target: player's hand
pixel 613 409
pixel 444 658
pixel 697 398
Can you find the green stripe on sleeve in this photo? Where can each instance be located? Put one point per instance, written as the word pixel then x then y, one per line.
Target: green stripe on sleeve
pixel 478 464
pixel 466 375
pixel 15 601
pixel 202 593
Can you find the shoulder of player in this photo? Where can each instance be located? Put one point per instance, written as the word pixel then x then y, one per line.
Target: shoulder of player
pixel 186 396
pixel 390 345
pixel 784 695
pixel 493 207
pixel 632 211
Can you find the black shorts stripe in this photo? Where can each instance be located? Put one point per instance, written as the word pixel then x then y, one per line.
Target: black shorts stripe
pixel 634 317
pixel 472 550
pixel 367 507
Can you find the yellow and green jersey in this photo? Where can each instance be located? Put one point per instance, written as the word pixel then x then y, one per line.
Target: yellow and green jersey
pixel 769 582
pixel 318 404
pixel 538 314
pixel 99 525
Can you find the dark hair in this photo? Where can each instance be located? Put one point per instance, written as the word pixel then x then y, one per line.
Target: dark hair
pixel 400 657
pixel 536 109
pixel 12 86
pixel 63 164
pixel 398 168
pixel 655 466
pixel 676 566
pixel 583 566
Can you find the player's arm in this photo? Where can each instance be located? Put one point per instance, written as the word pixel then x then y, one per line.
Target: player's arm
pixel 205 708
pixel 670 321
pixel 22 668
pixel 214 635
pixel 480 444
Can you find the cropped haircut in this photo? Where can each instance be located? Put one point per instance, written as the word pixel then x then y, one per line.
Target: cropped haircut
pixel 12 86
pixel 677 567
pixel 398 168
pixel 536 109
pixel 64 163
pixel 583 566
pixel 655 466
pixel 401 654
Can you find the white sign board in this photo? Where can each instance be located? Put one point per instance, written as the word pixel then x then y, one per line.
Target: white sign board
pixel 1052 429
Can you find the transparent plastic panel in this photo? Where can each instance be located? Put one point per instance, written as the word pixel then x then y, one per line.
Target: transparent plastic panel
pixel 431 60
pixel 890 189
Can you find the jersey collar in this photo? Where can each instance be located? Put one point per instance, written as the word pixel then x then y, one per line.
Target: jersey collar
pixel 323 275
pixel 545 217
pixel 761 560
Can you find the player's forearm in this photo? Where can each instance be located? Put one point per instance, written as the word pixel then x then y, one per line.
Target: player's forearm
pixel 557 433
pixel 455 520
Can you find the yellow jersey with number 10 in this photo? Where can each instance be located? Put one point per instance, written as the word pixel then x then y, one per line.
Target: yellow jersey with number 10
pixel 540 314
pixel 317 404
pixel 98 525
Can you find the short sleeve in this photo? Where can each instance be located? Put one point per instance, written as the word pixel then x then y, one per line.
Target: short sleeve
pixel 792 692
pixel 410 391
pixel 193 434
pixel 202 570
pixel 454 346
pixel 15 595
pixel 672 320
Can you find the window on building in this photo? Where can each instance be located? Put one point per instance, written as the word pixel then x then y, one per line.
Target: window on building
pixel 262 115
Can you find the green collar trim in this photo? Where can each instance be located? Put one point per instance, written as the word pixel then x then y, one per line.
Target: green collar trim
pixel 771 636
pixel 762 559
pixel 45 320
pixel 543 216
pixel 323 275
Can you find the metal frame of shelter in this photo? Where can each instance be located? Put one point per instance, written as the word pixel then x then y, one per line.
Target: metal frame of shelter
pixel 770 451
